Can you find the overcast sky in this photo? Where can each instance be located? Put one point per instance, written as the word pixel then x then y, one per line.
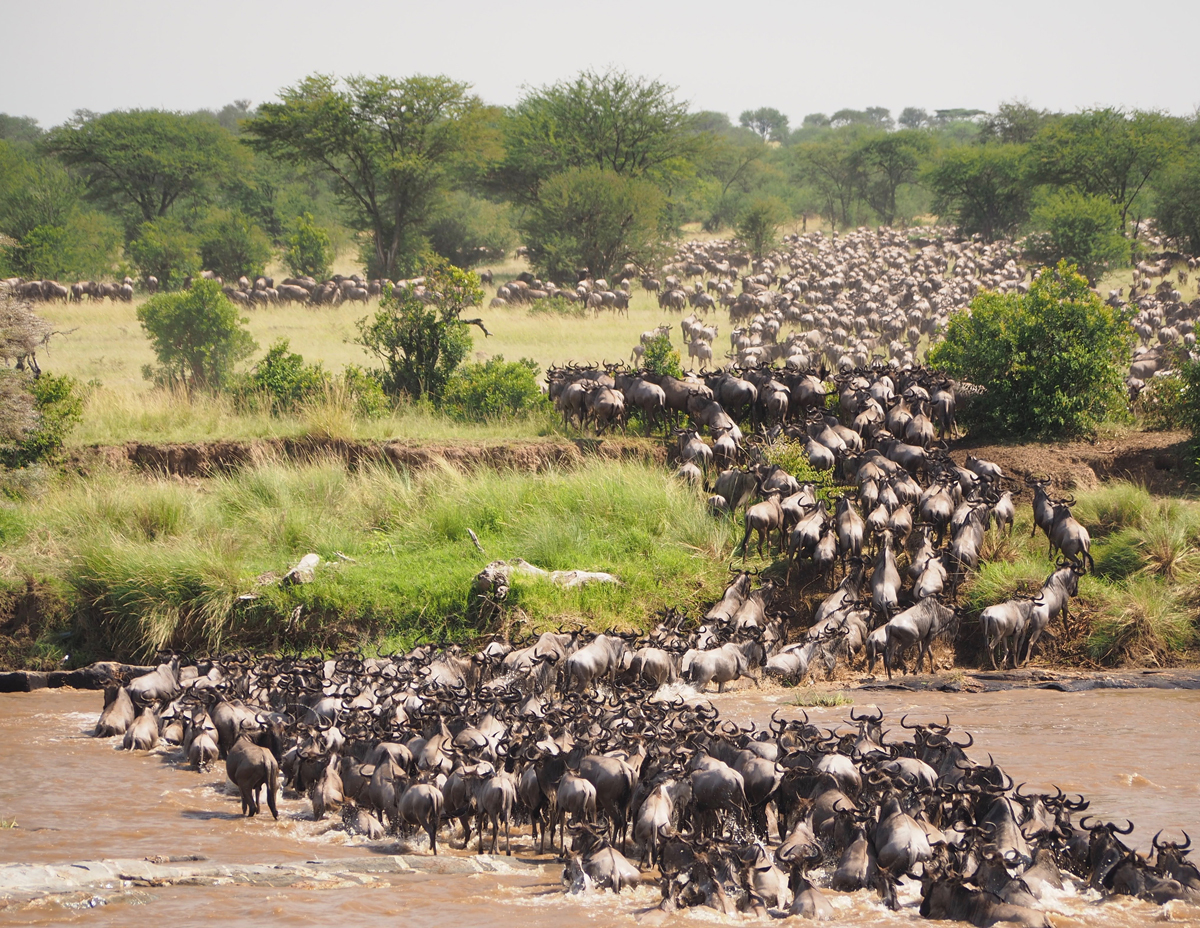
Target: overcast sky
pixel 795 55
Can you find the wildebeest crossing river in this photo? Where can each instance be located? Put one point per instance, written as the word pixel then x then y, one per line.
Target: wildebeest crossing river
pixel 69 797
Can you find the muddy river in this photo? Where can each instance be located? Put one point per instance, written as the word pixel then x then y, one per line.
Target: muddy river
pixel 67 797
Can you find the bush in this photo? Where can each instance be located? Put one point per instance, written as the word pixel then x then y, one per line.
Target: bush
pixel 469 231
pixel 759 223
pixel 1179 202
pixel 422 343
pixel 791 456
pixel 364 389
pixel 661 359
pixel 494 389
pixel 233 246
pixel 1051 361
pixel 595 219
pixel 84 247
pixel 283 376
pixel 1082 230
pixel 1163 403
pixel 166 250
pixel 58 407
pixel 197 335
pixel 309 250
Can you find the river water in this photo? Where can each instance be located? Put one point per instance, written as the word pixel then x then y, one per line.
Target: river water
pixel 1134 753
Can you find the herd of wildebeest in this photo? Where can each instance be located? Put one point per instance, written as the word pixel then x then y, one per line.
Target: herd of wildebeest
pixel 588 740
pixel 631 782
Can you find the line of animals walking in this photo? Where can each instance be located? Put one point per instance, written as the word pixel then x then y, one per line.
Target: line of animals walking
pixel 628 782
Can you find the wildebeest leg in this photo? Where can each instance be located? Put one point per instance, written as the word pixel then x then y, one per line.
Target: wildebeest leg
pixel 271 799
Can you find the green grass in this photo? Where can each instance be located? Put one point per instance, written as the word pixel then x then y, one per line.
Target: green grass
pixel 823 700
pixel 111 416
pixel 1140 604
pixel 153 562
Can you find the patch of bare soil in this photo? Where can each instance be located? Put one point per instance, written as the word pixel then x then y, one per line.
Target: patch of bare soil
pixel 205 459
pixel 1155 460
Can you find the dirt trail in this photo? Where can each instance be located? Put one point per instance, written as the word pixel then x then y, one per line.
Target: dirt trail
pixel 1156 460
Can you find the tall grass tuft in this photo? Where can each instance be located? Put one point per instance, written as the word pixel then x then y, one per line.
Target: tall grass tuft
pixel 155 562
pixel 1141 620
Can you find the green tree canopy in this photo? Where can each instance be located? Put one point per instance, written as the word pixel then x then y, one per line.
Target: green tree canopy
pixel 147 160
pixel 1105 152
pixel 831 167
pixel 1179 200
pixel 385 145
pixel 469 231
pixel 197 336
pixel 1051 361
pixel 595 219
pixel 232 245
pixel 420 336
pixel 885 162
pixel 766 122
pixel 1079 229
pixel 984 189
pixel 758 225
pixel 167 251
pixel 611 121
pixel 1015 122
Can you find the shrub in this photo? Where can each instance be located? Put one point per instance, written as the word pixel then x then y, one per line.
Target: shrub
pixel 197 336
pixel 166 250
pixel 559 306
pixel 58 407
pixel 309 249
pixel 595 219
pixel 494 389
pixel 1051 361
pixel 83 247
pixel 1080 229
pixel 791 456
pixel 232 245
pixel 759 223
pixel 661 359
pixel 420 343
pixel 365 391
pixel 1163 403
pixel 283 376
pixel 469 231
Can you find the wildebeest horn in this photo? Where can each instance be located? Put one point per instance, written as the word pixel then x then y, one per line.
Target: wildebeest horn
pixel 1128 830
pixel 967 744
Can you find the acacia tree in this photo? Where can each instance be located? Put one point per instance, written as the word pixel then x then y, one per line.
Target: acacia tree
pixel 885 162
pixel 832 169
pixel 1105 152
pixel 766 122
pixel 385 145
pixel 612 121
pixel 984 189
pixel 147 159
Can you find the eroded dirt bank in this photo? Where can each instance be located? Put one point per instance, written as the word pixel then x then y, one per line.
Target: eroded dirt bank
pixel 205 459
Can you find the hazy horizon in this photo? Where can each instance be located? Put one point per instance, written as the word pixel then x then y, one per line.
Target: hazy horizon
pixel 797 57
